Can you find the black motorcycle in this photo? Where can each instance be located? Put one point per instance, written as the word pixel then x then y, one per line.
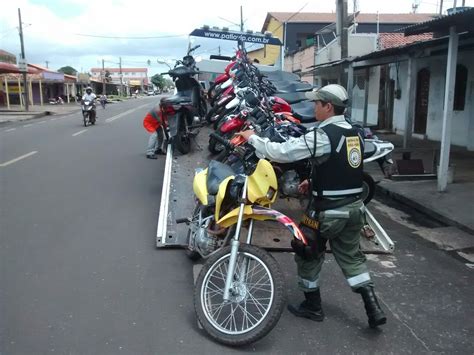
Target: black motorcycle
pixel 182 113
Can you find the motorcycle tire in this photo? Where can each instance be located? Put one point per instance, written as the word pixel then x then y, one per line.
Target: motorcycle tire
pixel 202 107
pixel 210 91
pixel 210 114
pixel 85 119
pixel 368 186
pixel 182 141
pixel 262 292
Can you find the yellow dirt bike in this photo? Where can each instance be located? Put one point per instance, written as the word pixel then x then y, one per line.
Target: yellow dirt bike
pixel 239 294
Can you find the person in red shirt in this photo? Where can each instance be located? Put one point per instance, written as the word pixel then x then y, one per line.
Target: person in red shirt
pixel 153 124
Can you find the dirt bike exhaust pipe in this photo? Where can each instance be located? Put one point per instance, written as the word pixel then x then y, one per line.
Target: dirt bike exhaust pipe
pixel 235 245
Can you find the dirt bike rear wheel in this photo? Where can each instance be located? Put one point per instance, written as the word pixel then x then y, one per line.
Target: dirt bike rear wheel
pixel 256 301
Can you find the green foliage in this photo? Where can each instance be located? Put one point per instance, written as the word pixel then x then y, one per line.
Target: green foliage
pixel 158 81
pixel 68 70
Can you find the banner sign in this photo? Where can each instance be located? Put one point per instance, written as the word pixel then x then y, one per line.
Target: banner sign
pixel 236 36
pixel 53 76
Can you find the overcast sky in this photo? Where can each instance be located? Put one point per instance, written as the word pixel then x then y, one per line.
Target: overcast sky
pixel 54 29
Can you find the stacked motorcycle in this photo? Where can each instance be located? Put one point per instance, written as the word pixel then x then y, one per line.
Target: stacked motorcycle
pixel 240 293
pixel 181 114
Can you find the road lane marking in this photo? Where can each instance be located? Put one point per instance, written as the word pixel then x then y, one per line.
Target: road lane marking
pixel 42 122
pixel 78 133
pixel 29 124
pixel 19 158
pixel 10 130
pixel 113 118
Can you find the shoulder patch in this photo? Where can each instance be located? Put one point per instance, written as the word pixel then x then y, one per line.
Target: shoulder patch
pixel 354 153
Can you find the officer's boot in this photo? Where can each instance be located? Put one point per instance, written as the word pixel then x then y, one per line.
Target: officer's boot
pixel 372 307
pixel 310 308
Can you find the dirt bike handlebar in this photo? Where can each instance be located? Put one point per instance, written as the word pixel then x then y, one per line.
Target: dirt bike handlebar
pixel 226 143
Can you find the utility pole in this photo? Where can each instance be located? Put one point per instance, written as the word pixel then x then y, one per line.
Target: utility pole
pixel 120 73
pixel 344 29
pixel 343 33
pixel 241 19
pixel 25 86
pixel 47 64
pixel 103 78
pixel 441 8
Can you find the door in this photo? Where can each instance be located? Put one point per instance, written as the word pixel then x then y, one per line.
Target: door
pixel 421 104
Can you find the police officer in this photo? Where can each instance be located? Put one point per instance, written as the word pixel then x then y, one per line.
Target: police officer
pixel 335 213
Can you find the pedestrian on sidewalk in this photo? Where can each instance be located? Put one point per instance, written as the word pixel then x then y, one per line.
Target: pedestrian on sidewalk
pixel 335 212
pixel 153 124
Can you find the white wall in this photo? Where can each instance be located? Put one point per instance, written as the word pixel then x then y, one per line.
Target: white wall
pixel 359 44
pixel 399 105
pixel 358 96
pixel 462 121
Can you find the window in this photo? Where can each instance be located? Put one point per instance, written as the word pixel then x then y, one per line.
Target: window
pixel 460 88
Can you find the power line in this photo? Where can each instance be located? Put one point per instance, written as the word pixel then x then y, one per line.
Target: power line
pixel 289 18
pixel 119 37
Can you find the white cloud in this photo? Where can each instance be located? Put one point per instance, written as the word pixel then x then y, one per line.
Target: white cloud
pixel 52 35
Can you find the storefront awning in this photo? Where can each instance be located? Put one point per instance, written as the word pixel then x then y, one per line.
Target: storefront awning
pixel 7 68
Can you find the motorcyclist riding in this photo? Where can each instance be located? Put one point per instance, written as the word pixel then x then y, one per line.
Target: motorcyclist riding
pixel 90 96
pixel 103 100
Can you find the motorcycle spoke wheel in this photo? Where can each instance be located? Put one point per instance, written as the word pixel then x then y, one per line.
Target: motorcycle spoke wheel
pixel 256 298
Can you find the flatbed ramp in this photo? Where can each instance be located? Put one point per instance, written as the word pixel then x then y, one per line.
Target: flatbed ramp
pixel 177 201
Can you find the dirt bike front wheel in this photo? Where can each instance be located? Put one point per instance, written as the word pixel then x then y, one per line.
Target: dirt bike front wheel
pixel 256 300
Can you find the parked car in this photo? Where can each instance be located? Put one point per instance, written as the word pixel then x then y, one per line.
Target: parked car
pixel 150 93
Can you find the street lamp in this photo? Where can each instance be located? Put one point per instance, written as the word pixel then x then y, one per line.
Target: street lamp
pixel 163 62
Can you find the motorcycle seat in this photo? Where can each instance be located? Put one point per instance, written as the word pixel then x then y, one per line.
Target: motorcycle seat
pixel 292 97
pixel 176 99
pixel 279 75
pixel 292 86
pixel 304 111
pixel 216 173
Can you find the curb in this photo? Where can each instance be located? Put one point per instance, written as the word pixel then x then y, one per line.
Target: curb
pixel 423 209
pixel 34 116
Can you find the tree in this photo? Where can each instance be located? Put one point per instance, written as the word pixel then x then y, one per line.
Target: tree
pixel 68 70
pixel 158 81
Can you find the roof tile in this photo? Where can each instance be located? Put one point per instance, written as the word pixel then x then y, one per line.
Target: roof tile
pixel 392 40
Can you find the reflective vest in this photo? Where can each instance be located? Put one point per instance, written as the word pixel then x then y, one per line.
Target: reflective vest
pixel 341 175
pixel 152 121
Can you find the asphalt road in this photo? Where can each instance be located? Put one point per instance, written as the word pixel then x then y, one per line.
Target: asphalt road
pixel 80 274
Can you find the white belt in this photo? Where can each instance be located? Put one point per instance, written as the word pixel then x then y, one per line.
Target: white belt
pixel 339 192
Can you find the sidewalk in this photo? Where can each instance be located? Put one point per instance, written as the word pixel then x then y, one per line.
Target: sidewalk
pixel 455 207
pixel 17 113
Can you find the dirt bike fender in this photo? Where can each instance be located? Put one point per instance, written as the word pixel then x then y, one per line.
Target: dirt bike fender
pixel 262 214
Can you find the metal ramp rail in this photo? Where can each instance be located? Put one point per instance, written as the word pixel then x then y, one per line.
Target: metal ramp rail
pixel 177 201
